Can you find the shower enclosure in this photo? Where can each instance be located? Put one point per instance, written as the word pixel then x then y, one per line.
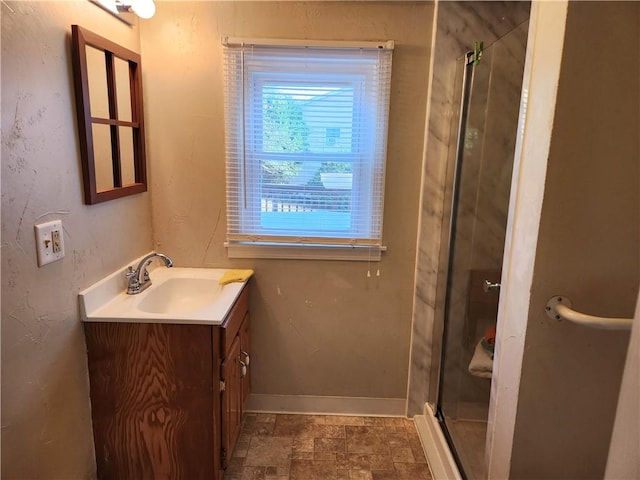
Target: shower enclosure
pixel 480 178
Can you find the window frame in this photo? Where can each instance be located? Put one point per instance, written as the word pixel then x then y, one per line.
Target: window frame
pixel 81 38
pixel 367 199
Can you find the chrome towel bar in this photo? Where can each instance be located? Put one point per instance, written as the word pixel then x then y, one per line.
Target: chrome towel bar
pixel 559 307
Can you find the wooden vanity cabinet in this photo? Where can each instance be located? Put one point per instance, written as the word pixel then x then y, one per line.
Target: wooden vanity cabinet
pixel 158 404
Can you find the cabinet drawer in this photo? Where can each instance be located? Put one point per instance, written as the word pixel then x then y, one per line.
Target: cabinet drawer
pixel 232 324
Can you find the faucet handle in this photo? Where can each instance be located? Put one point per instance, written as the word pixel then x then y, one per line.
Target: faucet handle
pixel 144 274
pixel 132 277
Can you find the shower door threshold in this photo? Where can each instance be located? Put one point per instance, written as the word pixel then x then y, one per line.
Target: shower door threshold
pixel 441 462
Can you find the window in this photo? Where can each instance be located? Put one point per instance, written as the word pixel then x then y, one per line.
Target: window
pixel 332 135
pixel 306 130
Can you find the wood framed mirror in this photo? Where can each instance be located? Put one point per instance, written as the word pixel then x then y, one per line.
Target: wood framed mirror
pixel 108 88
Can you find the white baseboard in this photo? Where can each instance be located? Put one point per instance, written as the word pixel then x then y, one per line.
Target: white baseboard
pixel 309 404
pixel 441 462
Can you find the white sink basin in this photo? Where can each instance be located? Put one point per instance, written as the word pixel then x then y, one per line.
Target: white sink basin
pixel 177 295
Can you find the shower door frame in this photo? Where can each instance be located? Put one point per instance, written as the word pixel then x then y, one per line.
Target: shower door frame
pixel 452 195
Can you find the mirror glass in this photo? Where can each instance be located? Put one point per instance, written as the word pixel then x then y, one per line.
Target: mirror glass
pixel 97 76
pixel 102 157
pixel 110 117
pixel 123 89
pixel 126 156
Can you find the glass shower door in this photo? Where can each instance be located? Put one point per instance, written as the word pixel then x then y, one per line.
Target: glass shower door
pixel 480 199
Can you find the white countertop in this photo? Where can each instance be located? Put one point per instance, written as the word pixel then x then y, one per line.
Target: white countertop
pixel 107 300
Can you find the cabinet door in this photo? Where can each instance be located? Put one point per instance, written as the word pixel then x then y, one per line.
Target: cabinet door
pixel 151 400
pixel 231 399
pixel 245 347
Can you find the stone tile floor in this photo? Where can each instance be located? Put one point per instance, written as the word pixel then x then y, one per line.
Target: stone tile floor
pixel 324 447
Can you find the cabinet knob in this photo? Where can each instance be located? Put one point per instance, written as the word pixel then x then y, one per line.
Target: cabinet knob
pixel 243 366
pixel 246 357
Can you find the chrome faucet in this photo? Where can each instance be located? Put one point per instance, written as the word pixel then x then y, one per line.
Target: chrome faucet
pixel 139 278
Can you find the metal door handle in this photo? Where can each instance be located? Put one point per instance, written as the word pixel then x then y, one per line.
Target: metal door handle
pixel 487 286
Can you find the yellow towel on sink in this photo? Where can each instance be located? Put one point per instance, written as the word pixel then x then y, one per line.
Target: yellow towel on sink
pixel 232 276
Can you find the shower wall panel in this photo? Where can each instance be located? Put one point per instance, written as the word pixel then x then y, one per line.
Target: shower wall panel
pixel 459 24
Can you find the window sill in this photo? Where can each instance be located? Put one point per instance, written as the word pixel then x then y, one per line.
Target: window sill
pixel 304 252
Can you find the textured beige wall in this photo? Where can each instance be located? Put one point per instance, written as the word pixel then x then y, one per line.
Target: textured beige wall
pixel 319 327
pixel 588 249
pixel 46 423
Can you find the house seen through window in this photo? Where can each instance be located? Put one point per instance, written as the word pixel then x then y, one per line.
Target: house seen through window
pixel 306 145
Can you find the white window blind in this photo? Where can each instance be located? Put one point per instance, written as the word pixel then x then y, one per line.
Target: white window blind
pixel 306 138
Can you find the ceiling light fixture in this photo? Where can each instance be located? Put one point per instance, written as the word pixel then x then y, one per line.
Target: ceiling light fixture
pixel 142 8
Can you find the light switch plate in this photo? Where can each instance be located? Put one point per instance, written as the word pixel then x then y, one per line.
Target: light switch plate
pixel 49 242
